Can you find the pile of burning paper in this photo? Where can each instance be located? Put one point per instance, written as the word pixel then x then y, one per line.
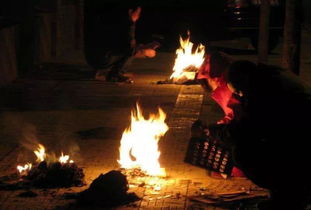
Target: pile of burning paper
pixel 47 172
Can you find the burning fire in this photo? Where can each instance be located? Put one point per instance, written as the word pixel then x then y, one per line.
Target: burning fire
pixel 40 153
pixel 24 169
pixel 139 143
pixel 186 61
pixel 41 156
pixel 64 159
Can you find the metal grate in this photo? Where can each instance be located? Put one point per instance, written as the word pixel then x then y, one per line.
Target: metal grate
pixel 209 154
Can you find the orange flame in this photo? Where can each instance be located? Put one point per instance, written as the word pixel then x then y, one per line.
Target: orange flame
pixel 186 59
pixel 140 141
pixel 24 169
pixel 63 159
pixel 40 153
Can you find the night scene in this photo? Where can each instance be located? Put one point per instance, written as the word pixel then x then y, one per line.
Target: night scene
pixel 155 104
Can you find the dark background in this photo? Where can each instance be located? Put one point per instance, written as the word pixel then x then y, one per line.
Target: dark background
pixel 41 31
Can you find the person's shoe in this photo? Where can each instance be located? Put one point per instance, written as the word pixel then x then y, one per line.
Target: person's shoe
pixel 118 78
pixel 100 76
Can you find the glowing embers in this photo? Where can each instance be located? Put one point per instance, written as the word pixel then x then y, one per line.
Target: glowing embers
pixel 139 143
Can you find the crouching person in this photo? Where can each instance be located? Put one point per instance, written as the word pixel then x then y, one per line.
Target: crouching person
pixel 211 76
pixel 269 141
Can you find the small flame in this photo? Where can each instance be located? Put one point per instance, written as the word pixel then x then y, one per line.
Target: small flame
pixel 186 60
pixel 63 159
pixel 40 153
pixel 140 142
pixel 24 169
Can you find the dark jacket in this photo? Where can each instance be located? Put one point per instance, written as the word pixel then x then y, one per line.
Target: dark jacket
pixel 272 134
pixel 108 29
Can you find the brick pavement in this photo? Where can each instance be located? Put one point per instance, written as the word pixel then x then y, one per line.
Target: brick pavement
pixel 57 112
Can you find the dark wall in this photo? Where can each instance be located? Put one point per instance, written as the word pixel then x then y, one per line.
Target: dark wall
pixel 170 18
pixel 173 18
pixel 306 5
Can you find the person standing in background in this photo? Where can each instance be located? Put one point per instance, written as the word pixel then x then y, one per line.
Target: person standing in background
pixel 110 43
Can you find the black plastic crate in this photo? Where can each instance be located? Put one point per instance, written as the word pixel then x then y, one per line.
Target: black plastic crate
pixel 209 154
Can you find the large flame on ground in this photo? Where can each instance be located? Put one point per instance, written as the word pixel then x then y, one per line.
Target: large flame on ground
pixel 186 60
pixel 139 143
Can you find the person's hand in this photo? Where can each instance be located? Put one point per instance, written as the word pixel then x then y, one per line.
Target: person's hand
pixel 147 50
pixel 135 14
pixel 150 53
pixel 224 120
pixel 143 53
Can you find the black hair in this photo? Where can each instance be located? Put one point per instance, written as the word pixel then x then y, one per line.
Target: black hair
pixel 239 74
pixel 219 63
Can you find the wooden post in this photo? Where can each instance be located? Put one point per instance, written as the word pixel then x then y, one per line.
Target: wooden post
pixel 8 61
pixel 55 30
pixel 45 38
pixel 79 25
pixel 292 36
pixel 263 41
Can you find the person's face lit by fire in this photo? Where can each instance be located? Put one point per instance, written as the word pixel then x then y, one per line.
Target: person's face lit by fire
pixel 134 14
pixel 150 53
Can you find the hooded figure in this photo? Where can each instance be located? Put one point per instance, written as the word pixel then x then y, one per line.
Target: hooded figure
pixel 270 139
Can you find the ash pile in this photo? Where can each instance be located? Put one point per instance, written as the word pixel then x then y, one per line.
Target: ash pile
pixel 108 190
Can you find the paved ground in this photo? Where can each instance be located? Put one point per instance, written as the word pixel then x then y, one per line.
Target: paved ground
pixel 59 108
